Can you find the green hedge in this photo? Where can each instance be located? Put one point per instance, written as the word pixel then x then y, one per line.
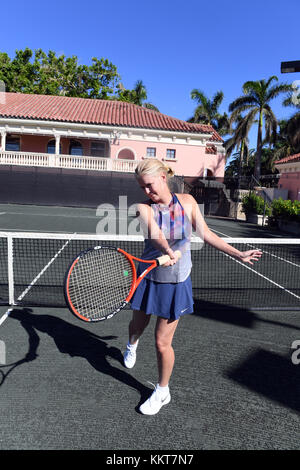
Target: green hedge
pixel 254 204
pixel 286 210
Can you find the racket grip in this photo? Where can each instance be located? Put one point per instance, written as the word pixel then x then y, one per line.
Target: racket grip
pixel 165 258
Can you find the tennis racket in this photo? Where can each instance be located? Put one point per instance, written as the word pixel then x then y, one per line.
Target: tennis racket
pixel 101 281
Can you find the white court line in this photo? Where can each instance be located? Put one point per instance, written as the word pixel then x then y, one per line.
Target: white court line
pixel 4 317
pixel 259 274
pixel 25 292
pixel 220 233
pixel 24 230
pixel 42 272
pixel 278 257
pixel 271 254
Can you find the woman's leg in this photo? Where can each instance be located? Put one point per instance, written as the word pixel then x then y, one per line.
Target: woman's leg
pixel 138 323
pixel 164 333
pixel 136 327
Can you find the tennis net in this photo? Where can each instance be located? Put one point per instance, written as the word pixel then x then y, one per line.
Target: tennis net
pixel 33 267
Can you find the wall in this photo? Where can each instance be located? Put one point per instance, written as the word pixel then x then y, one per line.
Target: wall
pixel 59 187
pixel 70 188
pixel 38 144
pixel 190 159
pixel 291 182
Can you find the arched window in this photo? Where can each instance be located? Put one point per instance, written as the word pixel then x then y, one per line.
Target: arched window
pixel 208 173
pixel 126 154
pixel 12 143
pixel 51 146
pixel 75 148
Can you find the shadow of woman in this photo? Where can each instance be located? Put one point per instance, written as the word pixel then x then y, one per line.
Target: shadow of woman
pixel 75 341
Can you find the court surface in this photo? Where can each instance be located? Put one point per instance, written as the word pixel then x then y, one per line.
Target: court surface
pixel 63 385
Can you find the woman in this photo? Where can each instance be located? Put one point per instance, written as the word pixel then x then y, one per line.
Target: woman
pixel 167 220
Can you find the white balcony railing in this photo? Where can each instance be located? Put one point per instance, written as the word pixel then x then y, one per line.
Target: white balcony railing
pixel 66 161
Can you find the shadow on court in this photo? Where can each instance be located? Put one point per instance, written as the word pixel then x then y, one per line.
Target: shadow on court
pixel 234 315
pixel 264 372
pixel 74 341
pixel 270 375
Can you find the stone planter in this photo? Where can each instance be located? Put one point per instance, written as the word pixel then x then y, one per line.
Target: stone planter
pixel 256 219
pixel 289 226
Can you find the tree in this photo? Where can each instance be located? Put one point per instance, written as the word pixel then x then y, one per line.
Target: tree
pixel 239 139
pixel 285 145
pixel 136 96
pixel 293 124
pixel 47 74
pixel 255 101
pixel 244 172
pixel 240 142
pixel 293 130
pixel 207 111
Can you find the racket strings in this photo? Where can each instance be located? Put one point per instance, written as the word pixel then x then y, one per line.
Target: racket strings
pixel 100 282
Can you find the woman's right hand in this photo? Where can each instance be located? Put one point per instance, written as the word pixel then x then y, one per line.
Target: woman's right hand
pixel 174 257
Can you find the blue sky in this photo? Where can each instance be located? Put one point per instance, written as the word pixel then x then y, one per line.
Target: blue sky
pixel 173 46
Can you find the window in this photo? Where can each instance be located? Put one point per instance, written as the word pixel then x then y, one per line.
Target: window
pixel 75 148
pixel 126 154
pixel 151 152
pixel 13 144
pixel 51 147
pixel 171 154
pixel 98 149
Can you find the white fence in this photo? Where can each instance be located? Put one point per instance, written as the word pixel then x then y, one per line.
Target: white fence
pixel 66 161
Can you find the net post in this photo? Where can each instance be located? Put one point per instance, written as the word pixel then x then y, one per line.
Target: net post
pixel 10 270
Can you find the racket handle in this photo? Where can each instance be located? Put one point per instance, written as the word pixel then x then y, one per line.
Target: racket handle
pixel 165 258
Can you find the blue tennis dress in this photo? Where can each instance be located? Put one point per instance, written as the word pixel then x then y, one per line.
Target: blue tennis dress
pixel 167 291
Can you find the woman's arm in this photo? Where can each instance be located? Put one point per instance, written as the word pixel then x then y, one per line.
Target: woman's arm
pixel 203 231
pixel 152 231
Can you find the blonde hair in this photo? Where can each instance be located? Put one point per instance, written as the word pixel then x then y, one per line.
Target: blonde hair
pixel 153 167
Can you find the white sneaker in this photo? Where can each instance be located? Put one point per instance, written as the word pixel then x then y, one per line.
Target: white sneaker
pixel 154 403
pixel 129 357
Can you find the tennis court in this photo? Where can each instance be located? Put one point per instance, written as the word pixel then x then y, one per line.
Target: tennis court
pixel 63 385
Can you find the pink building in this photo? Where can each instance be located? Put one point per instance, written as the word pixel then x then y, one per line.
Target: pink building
pixel 289 168
pixel 100 135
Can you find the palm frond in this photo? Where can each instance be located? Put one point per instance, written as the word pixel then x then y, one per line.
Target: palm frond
pixel 293 130
pixel 270 80
pixel 271 124
pixel 216 101
pixel 150 106
pixel 274 91
pixel 252 88
pixel 243 102
pixel 199 96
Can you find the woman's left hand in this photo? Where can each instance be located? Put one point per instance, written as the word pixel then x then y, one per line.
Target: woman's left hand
pixel 174 257
pixel 250 255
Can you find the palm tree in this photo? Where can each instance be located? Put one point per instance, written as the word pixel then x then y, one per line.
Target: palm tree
pixel 284 145
pixel 255 101
pixel 239 139
pixel 207 111
pixel 139 93
pixel 293 124
pixel 137 96
pixel 293 130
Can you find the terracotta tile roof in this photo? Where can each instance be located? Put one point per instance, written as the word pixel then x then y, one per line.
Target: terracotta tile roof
pixel 211 149
pixel 90 111
pixel 291 158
